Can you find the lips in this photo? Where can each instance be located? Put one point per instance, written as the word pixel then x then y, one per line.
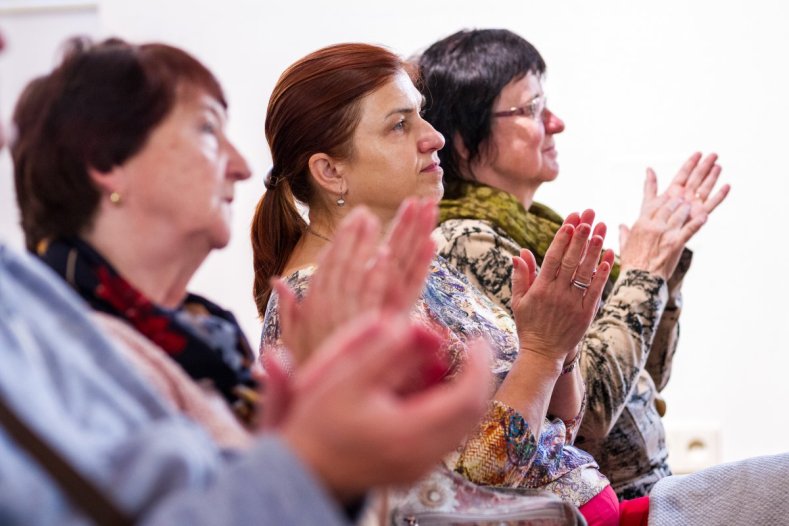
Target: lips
pixel 432 167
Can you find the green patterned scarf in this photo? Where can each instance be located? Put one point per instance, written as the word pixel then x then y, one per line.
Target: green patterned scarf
pixel 533 229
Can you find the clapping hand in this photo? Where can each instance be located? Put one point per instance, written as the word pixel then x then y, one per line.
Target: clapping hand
pixel 358 273
pixel 695 182
pixel 669 220
pixel 554 308
pixel 353 414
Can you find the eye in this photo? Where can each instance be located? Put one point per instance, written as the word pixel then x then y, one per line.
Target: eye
pixel 209 127
pixel 537 106
pixel 400 126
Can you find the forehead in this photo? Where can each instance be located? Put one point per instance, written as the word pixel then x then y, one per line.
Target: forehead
pixel 398 93
pixel 522 89
pixel 194 99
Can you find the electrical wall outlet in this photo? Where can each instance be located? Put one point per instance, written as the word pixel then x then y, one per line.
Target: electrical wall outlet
pixel 693 447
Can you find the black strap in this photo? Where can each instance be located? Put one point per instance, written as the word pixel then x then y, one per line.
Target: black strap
pixel 83 493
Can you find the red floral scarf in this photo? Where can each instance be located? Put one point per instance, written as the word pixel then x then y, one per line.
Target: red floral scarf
pixel 203 338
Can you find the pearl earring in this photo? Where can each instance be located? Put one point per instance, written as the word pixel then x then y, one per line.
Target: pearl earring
pixel 115 198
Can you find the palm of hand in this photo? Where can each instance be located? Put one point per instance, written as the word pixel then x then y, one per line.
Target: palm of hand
pixel 551 318
pixel 694 183
pixel 698 206
pixel 552 311
pixel 358 273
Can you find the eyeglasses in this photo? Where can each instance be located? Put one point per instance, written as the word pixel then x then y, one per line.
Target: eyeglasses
pixel 533 109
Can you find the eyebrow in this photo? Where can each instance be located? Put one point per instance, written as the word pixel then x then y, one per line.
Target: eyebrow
pixel 409 111
pixel 212 108
pixel 528 101
pixel 533 97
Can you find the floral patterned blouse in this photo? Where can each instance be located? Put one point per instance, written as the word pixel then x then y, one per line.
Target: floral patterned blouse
pixel 627 352
pixel 503 451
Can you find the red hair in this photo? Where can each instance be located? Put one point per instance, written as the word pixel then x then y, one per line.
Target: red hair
pixel 314 109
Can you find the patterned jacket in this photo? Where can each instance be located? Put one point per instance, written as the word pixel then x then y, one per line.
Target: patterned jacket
pixel 627 353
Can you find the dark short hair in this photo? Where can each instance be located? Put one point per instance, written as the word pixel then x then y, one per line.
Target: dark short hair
pixel 95 110
pixel 460 77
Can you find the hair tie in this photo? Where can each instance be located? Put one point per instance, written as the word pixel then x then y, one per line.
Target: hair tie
pixel 272 179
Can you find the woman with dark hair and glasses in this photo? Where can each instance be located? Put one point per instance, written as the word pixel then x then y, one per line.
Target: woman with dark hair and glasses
pixel 484 94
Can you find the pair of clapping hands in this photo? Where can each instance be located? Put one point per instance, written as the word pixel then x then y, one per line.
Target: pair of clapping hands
pixel 654 243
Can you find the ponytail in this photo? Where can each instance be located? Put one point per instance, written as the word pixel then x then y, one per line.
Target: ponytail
pixel 314 108
pixel 276 229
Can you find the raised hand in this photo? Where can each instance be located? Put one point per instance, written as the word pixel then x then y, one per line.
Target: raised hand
pixel 344 269
pixel 694 183
pixel 553 309
pixel 655 241
pixel 357 273
pixel 410 250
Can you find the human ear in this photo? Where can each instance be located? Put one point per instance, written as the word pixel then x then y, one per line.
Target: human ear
pixel 327 173
pixel 110 183
pixel 460 146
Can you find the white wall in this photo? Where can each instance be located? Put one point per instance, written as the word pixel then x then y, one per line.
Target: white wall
pixel 33 32
pixel 637 85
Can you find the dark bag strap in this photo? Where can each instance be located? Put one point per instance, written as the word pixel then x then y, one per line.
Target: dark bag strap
pixel 83 493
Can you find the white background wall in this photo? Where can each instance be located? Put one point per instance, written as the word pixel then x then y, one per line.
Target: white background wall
pixel 637 85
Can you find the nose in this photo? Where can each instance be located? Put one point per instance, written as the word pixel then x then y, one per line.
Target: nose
pixel 431 140
pixel 237 167
pixel 553 124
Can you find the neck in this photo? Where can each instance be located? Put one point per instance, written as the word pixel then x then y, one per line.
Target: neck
pixel 323 224
pixel 160 266
pixel 523 191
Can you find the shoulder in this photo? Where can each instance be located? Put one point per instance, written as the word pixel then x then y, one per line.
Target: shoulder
pixel 461 230
pixel 472 238
pixel 298 281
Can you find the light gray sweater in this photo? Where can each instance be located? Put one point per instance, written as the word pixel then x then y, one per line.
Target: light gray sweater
pixel 63 377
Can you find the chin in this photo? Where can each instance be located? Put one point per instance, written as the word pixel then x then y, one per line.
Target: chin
pixel 435 193
pixel 220 238
pixel 550 175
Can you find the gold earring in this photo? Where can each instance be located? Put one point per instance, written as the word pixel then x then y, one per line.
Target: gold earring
pixel 115 198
